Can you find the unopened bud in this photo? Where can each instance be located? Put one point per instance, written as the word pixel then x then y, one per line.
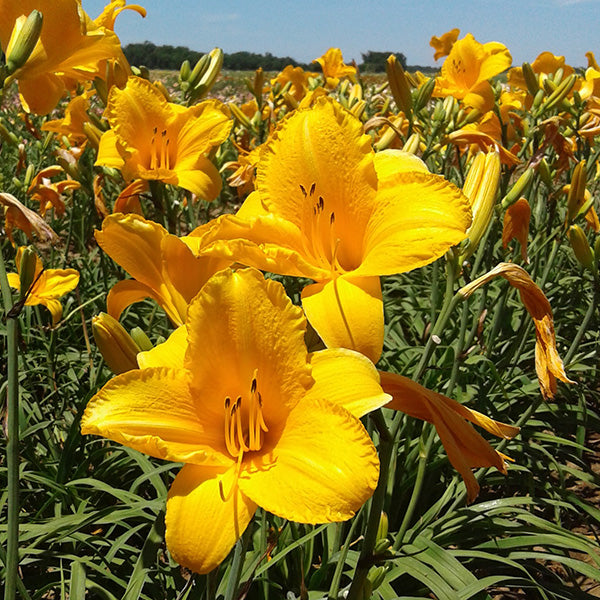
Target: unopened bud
pixel 23 40
pixel 141 339
pixel 29 173
pixel 481 186
pixel 538 99
pixel 544 172
pixel 399 85
pixel 93 134
pixel 518 188
pixel 581 247
pixel 185 71
pixel 116 346
pixel 576 195
pixel 8 136
pixel 559 93
pixel 204 78
pixel 531 80
pixel 376 576
pixel 28 260
pixel 412 143
pixel 424 94
pixel 241 116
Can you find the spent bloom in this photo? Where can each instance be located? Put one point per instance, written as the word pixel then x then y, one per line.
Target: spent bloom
pixel 256 420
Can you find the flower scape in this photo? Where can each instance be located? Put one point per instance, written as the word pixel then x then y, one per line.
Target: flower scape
pixel 309 334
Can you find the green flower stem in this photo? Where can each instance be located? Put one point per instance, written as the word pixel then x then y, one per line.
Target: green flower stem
pixel 583 327
pixel 425 442
pixel 12 443
pixel 235 572
pixel 365 560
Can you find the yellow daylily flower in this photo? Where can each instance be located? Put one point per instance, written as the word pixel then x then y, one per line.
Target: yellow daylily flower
pixel 466 449
pixel 545 64
pixel 47 287
pixel 334 68
pixel 71 48
pixel 467 69
pixel 153 139
pixel 443 44
pixel 328 208
pixel 257 420
pixel 298 79
pixel 72 124
pixel 162 266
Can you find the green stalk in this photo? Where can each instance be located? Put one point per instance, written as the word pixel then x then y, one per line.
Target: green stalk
pixel 235 572
pixel 12 443
pixel 365 560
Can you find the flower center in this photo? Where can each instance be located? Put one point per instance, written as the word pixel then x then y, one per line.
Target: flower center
pixel 244 422
pixel 321 238
pixel 159 150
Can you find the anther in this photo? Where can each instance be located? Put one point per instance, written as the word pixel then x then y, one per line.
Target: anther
pixel 312 188
pixel 303 190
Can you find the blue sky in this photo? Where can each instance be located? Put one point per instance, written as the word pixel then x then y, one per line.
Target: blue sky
pixel 305 29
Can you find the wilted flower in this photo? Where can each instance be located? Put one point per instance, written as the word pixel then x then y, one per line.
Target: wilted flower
pixel 516 225
pixel 48 193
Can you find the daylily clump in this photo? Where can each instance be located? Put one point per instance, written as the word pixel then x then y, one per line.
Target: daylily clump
pixel 255 419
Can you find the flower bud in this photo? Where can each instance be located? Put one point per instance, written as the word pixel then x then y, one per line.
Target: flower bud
pixel 581 247
pixel 481 185
pixel 141 339
pixel 28 260
pixel 185 71
pixel 23 40
pixel 412 143
pixel 576 195
pixel 399 85
pixel 544 172
pixel 376 576
pixel 530 79
pixel 559 93
pixel 518 188
pixel 424 94
pixel 116 346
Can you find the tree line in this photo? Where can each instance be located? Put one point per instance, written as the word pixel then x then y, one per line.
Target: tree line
pixel 171 57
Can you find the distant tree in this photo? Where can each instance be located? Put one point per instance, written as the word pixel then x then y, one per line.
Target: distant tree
pixel 374 62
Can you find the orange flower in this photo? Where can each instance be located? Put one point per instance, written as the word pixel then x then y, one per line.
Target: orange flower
pixel 466 449
pixel 548 364
pixel 49 194
pixel 516 225
pixel 443 44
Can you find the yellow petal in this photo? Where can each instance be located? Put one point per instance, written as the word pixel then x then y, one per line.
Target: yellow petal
pixel 127 292
pixel 152 411
pixel 347 313
pixel 314 474
pixel 269 243
pixel 55 283
pixel 419 216
pixel 201 178
pixel 389 162
pixel 168 354
pixel 240 323
pixel 53 305
pixel 346 378
pixel 41 94
pixel 108 151
pixel 202 527
pixel 326 146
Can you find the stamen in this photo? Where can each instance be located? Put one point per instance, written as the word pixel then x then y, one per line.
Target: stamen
pixel 238 426
pixel 312 188
pixel 303 190
pixel 234 485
